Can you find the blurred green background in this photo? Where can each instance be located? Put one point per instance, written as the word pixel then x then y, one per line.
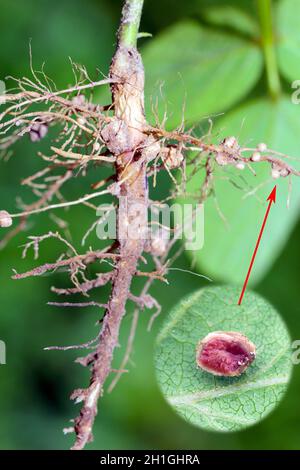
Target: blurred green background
pixel 34 384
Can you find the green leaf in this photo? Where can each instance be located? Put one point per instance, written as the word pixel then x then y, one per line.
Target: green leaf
pixel 228 247
pixel 232 17
pixel 223 403
pixel 198 70
pixel 289 38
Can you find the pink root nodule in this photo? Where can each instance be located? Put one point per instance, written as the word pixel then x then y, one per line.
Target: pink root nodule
pixel 225 353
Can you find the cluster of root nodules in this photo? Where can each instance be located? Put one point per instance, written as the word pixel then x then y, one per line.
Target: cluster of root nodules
pixel 74 130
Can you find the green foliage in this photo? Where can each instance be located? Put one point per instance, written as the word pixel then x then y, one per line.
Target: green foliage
pixel 232 17
pixel 275 122
pixel 192 70
pixel 289 38
pixel 57 33
pixel 223 403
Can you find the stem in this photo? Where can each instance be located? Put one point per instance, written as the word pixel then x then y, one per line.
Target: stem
pixel 130 22
pixel 125 139
pixel 264 8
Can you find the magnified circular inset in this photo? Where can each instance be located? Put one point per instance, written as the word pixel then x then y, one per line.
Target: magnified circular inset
pixel 221 366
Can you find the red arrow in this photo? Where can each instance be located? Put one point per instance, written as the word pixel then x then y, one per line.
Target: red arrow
pixel 271 198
